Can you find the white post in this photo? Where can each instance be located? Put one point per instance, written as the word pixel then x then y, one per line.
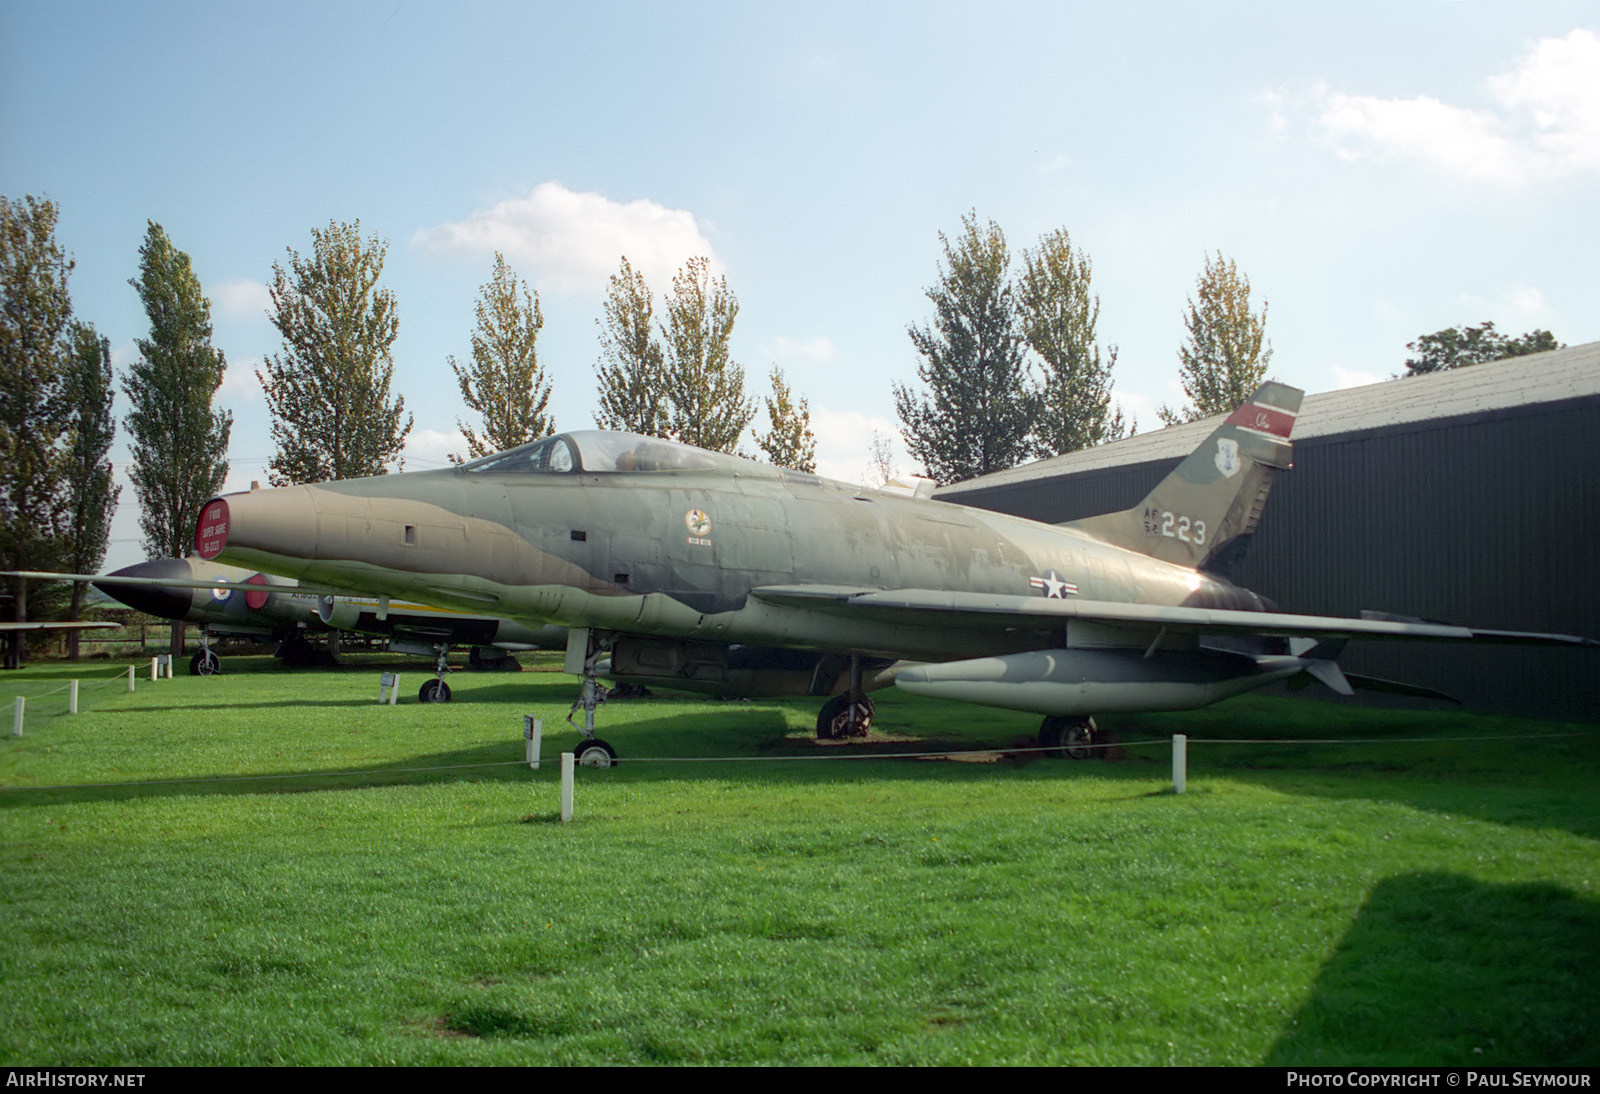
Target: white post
pixel 566 784
pixel 16 721
pixel 533 739
pixel 130 679
pixel 385 682
pixel 394 691
pixel 167 659
pixel 154 663
pixel 1180 762
pixel 72 698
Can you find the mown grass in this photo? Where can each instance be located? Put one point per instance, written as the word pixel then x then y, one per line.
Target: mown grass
pixel 1386 902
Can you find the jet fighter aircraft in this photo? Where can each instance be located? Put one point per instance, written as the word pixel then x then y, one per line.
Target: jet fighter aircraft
pixel 226 600
pixel 671 564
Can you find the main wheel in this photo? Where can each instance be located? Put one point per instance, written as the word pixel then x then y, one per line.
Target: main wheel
pixel 296 653
pixel 204 663
pixel 433 691
pixel 594 753
pixel 1069 737
pixel 834 720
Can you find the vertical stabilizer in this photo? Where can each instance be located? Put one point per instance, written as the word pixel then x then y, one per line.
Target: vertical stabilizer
pixel 1216 495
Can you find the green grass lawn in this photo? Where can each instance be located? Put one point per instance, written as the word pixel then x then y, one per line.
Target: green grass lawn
pixel 1386 902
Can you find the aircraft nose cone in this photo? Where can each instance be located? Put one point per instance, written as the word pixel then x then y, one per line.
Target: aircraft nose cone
pixel 258 526
pixel 153 600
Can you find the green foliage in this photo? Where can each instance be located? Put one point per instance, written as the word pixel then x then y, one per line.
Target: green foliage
pixel 35 416
pixel 704 386
pixel 505 383
pixel 686 386
pixel 94 494
pixel 1058 317
pixel 1224 359
pixel 328 391
pixel 1458 347
pixel 981 407
pixel 179 444
pixel 630 367
pixel 790 443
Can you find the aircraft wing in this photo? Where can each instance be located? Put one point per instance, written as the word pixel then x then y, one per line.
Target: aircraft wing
pixel 279 585
pixel 63 625
pixel 999 611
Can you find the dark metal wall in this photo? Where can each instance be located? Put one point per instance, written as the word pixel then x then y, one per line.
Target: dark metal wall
pixel 1491 520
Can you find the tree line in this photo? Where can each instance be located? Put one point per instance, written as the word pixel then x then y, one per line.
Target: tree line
pixel 1011 368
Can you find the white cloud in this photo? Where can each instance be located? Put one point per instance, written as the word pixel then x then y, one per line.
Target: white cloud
pixel 242 298
pixel 239 381
pixel 1353 377
pixel 1512 309
pixel 785 350
pixel 428 448
pixel 1544 121
pixel 844 443
pixel 572 242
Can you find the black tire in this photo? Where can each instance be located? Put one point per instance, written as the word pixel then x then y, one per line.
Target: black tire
pixel 594 753
pixel 204 663
pixel 1069 738
pixel 296 653
pixel 833 720
pixel 433 691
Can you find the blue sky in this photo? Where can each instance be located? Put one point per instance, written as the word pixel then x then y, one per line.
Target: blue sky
pixel 1378 171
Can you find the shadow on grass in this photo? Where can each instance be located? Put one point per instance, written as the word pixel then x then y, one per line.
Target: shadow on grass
pixel 1506 771
pixel 653 747
pixel 1441 970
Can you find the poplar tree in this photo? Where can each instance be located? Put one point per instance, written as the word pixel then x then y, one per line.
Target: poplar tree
pixel 94 495
pixel 790 442
pixel 979 411
pixel 1224 359
pixel 630 367
pixel 1059 316
pixel 179 444
pixel 34 310
pixel 328 391
pixel 505 383
pixel 703 385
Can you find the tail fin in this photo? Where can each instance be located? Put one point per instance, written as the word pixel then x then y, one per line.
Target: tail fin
pixel 1215 496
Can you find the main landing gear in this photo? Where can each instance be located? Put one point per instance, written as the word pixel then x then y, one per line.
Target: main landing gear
pixel 1070 737
pixel 592 751
pixel 847 715
pixel 841 718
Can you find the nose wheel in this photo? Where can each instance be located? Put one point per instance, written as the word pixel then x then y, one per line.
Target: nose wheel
pixel 205 662
pixel 591 751
pixel 594 753
pixel 436 690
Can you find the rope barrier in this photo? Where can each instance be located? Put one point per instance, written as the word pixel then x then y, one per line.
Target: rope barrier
pixel 852 756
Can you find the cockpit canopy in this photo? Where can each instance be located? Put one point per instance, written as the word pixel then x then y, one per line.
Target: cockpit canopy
pixel 603 450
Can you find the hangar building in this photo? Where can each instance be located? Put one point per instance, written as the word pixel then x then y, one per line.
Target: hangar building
pixel 1470 496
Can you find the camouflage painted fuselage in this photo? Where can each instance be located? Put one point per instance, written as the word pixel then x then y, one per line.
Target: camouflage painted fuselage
pixel 678 553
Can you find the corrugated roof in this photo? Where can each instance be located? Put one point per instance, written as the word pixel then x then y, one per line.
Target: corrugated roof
pixel 1550 377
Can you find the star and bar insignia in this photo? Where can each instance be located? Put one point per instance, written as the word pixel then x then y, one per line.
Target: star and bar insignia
pixel 1052 586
